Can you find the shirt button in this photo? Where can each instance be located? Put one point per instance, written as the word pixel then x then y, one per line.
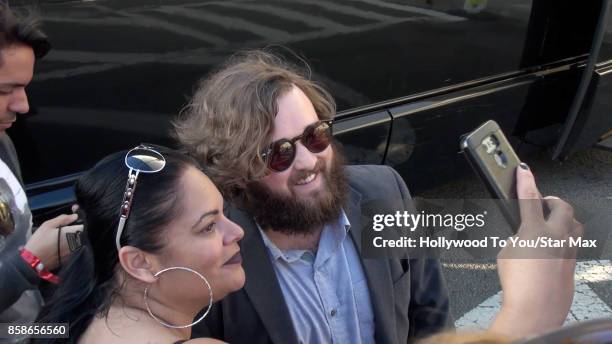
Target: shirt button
pixel 333 313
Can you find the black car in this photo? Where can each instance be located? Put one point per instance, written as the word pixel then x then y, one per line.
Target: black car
pixel 410 77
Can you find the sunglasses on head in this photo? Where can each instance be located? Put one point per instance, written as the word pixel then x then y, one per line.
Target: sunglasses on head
pixel 280 154
pixel 141 159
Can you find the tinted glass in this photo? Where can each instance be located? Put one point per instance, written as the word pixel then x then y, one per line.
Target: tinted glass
pixel 120 69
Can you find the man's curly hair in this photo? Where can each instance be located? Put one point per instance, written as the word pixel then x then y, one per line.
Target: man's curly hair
pixel 230 118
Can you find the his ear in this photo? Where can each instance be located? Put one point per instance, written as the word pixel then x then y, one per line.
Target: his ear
pixel 138 264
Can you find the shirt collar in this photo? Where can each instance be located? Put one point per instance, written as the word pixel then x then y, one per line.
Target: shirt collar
pixel 339 229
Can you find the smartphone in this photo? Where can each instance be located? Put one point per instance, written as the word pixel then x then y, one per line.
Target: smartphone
pixel 492 157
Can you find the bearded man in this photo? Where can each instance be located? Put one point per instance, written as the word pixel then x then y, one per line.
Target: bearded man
pixel 262 130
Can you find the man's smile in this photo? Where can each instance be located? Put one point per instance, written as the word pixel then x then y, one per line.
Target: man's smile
pixel 307 179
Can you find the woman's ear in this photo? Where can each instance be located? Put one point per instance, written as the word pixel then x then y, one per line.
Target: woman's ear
pixel 138 264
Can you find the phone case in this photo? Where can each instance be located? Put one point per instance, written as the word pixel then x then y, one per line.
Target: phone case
pixel 492 157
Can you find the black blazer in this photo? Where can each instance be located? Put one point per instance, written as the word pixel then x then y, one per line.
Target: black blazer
pixel 409 296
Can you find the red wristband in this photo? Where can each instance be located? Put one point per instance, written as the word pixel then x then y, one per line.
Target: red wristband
pixel 38 266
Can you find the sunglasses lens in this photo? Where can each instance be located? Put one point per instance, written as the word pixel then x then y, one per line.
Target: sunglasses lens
pixel 145 160
pixel 282 155
pixel 140 159
pixel 317 138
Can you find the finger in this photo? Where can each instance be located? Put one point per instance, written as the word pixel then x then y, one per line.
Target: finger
pixel 545 207
pixel 60 221
pixel 561 218
pixel 74 208
pixel 527 191
pixel 577 229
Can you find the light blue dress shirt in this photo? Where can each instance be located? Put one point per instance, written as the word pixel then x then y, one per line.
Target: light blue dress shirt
pixel 327 292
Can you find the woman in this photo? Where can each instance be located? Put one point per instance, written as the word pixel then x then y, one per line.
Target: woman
pixel 157 250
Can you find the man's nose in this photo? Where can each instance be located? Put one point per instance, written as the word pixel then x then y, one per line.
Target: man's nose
pixel 304 159
pixel 19 101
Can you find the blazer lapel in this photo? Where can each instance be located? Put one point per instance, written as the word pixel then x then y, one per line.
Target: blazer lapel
pixel 261 284
pixel 378 276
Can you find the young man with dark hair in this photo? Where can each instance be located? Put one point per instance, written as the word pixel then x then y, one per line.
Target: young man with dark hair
pixel 22 270
pixel 261 128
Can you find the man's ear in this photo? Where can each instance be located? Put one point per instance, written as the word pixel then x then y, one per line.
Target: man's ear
pixel 138 264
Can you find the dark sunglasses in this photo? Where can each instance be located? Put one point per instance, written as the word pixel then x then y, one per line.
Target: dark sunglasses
pixel 280 154
pixel 143 159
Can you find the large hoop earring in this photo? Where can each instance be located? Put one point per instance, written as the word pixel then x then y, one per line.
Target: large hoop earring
pixel 146 300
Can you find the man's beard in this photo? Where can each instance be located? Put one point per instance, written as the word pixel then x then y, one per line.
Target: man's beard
pixel 295 215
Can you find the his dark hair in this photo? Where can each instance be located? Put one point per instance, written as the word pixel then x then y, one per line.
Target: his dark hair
pixel 22 29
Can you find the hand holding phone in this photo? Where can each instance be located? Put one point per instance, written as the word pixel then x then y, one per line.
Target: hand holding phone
pixel 492 157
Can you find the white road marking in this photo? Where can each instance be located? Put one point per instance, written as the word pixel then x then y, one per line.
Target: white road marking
pixel 147 21
pixel 310 20
pixel 342 9
pixel 233 23
pixel 471 266
pixel 413 9
pixel 586 305
pixel 81 70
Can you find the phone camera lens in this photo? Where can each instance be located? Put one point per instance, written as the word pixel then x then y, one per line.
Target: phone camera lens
pixel 501 159
pixel 491 144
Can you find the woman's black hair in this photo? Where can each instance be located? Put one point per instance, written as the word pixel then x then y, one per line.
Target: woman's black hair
pixel 88 283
